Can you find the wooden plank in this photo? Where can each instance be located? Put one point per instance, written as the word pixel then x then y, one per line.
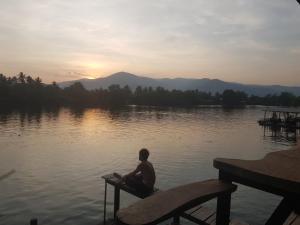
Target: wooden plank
pixel 115 180
pixel 290 219
pixel 209 216
pixel 233 222
pixel 204 214
pixel 166 204
pixel 293 219
pixel 211 220
pixel 279 170
pixel 296 221
pixel 190 211
pixel 200 215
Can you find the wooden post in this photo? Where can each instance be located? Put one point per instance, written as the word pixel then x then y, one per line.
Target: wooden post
pixel 176 220
pixel 223 204
pixel 223 209
pixel 34 221
pixel 116 200
pixel 282 212
pixel 104 210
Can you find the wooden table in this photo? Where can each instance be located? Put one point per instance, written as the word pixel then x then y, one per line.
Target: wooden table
pixel 277 173
pixel 114 179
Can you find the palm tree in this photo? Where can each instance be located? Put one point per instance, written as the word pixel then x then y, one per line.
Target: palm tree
pixel 21 78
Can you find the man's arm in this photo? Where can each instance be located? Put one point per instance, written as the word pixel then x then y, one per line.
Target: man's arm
pixel 137 170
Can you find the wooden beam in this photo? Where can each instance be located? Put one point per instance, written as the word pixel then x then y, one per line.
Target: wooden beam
pixel 282 212
pixel 223 209
pixel 116 200
pixel 34 221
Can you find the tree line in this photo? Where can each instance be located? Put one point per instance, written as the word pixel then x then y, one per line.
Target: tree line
pixel 23 90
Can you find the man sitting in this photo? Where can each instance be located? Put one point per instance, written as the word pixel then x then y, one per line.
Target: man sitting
pixel 143 177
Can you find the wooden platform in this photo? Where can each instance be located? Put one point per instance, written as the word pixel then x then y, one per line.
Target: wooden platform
pixel 293 219
pixel 173 202
pixel 277 173
pixel 206 216
pixel 114 180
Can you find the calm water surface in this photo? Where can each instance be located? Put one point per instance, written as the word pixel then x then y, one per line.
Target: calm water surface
pixel 59 157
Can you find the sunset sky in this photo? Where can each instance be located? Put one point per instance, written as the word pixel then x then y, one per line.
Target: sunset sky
pixel 247 41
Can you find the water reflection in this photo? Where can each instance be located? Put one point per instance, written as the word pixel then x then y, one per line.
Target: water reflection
pixel 61 154
pixel 77 113
pixel 5 115
pixel 281 135
pixel 28 115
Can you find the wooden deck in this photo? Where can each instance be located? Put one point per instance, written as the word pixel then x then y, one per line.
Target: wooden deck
pixel 293 219
pixel 277 173
pixel 206 216
pixel 114 179
pixel 200 214
pixel 203 215
pixel 173 202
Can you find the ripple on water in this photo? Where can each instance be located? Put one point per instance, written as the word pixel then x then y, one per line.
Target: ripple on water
pixel 60 157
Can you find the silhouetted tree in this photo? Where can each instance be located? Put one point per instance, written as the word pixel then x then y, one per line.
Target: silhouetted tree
pixel 233 98
pixel 76 94
pixel 287 99
pixel 24 90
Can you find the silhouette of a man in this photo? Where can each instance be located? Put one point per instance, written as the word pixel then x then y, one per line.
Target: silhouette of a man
pixel 143 177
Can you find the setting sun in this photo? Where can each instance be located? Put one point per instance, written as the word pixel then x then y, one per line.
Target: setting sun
pixel 92 65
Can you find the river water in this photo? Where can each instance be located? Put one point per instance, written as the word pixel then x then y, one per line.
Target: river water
pixel 60 155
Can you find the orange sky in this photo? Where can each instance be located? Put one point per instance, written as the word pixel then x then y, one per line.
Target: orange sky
pixel 243 41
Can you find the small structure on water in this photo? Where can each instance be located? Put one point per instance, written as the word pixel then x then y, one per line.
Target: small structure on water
pixel 281 119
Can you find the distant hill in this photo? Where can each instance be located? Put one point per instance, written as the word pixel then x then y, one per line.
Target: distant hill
pixel 206 85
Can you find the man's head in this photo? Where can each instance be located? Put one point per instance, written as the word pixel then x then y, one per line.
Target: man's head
pixel 143 154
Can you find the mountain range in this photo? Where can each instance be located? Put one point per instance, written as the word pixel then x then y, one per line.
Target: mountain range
pixel 204 84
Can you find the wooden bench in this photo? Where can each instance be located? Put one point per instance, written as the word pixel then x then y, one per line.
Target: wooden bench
pixel 173 202
pixel 114 180
pixel 184 201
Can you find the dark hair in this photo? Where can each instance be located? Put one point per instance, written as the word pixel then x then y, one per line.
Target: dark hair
pixel 144 154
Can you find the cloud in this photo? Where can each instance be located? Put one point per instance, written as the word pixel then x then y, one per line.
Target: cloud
pixel 165 37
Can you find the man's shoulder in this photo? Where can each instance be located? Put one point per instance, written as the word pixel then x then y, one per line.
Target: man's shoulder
pixel 145 163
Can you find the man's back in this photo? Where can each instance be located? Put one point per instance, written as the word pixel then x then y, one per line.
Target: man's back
pixel 148 173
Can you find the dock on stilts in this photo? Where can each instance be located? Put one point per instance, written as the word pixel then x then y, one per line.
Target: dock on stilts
pixel 277 173
pixel 280 119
